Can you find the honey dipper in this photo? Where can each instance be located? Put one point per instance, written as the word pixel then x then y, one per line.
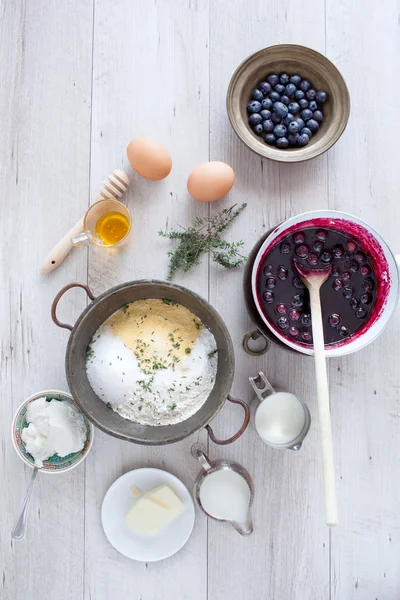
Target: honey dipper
pixel 114 186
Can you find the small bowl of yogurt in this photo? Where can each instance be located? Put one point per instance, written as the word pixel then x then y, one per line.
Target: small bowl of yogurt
pixel 51 433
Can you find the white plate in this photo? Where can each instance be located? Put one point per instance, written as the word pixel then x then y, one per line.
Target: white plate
pixel 146 548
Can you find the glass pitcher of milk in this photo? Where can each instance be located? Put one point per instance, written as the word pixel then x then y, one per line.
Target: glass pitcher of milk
pixel 281 419
pixel 224 490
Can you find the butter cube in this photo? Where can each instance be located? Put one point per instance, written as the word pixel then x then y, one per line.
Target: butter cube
pixel 154 510
pixel 165 497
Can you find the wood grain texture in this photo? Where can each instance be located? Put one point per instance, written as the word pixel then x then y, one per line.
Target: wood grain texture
pixel 45 62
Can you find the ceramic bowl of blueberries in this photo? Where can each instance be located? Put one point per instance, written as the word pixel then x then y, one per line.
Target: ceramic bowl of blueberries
pixel 288 103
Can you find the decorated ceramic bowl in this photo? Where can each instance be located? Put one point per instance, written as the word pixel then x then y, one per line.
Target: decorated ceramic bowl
pixel 55 464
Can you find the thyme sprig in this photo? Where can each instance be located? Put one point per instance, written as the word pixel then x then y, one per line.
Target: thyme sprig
pixel 204 236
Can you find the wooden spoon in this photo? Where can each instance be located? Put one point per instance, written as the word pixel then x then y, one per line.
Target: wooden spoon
pixel 313 280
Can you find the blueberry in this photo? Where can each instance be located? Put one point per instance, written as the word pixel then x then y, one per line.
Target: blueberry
pixel 267 104
pixel 265 87
pixel 258 129
pixel 268 296
pixel 306 114
pixel 335 272
pixel 270 282
pixel 285 248
pixel 297 301
pixel 280 131
pixel 281 309
pixel 300 122
pixel 293 332
pixel 351 246
pixel 294 127
pixel 313 125
pixel 283 323
pixel 306 131
pixel 311 94
pixel 318 116
pixel 299 95
pixel 294 314
pixel 285 100
pixel 280 89
pixel 368 284
pixel 297 282
pixel 303 104
pixel 255 119
pixel 335 320
pixel 290 89
pixel 306 337
pixel 294 108
pixel 303 139
pixel 354 266
pixel 353 303
pixel 318 246
pixel 270 139
pixel 365 270
pixel 346 276
pixel 268 126
pixel 360 312
pixel 338 251
pixel 268 269
pixel 265 114
pixel 306 320
pixel 276 118
pixel 337 285
pixel 313 105
pixel 348 291
pixel 313 258
pixel 282 142
pixel 304 85
pixel 273 79
pixel 360 257
pixel 321 235
pixel 299 237
pixel 282 273
pixel 257 95
pixel 295 79
pixel 321 97
pixel 274 96
pixel 288 119
pixel 280 109
pixel 253 107
pixel 284 79
pixel 343 331
pixel 326 257
pixel 302 250
pixel 293 139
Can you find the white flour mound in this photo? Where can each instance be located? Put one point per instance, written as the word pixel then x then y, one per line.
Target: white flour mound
pixel 164 397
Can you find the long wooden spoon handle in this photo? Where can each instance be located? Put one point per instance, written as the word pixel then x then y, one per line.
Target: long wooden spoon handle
pixel 331 512
pixel 61 249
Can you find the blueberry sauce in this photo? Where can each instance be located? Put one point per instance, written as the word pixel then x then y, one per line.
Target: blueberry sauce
pixel 348 297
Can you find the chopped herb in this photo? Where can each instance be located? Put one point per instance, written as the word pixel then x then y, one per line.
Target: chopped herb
pixel 212 353
pixel 176 345
pixel 140 407
pixel 89 352
pixel 158 366
pixel 125 308
pixel 188 351
pixel 196 323
pixel 172 406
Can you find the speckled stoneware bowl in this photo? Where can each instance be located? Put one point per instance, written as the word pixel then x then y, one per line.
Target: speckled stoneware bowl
pixel 291 59
pixel 55 464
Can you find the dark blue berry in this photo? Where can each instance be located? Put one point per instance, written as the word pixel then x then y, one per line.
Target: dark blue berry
pixel 268 270
pixel 303 139
pixel 266 104
pixel 343 331
pixel 318 116
pixel 265 87
pixel 299 95
pixel 299 237
pixel 280 131
pixel 297 301
pixel 318 246
pixel 279 88
pixel 288 119
pixel 268 296
pixel 302 250
pixel 297 282
pixel 348 291
pixel 313 105
pixel 311 94
pixel 321 97
pixel 258 129
pixel 255 119
pixel 304 85
pixel 368 284
pixel 257 95
pixel 293 137
pixel 285 100
pixel 366 298
pixel 264 114
pixel 295 79
pixel 335 320
pixel 273 80
pixel 312 257
pixel 282 142
pixel 294 108
pixel 303 104
pixel 294 127
pixel 283 323
pixel 254 107
pixel 321 234
pixel 280 109
pixel 338 251
pixel 270 282
pixel 285 248
pixel 306 114
pixel 268 125
pixel 360 312
pixel 301 123
pixel 284 79
pixel 290 89
pixel 306 131
pixel 306 320
pixel 326 256
pixel 275 97
pixel 276 118
pixel 270 139
pixel 313 125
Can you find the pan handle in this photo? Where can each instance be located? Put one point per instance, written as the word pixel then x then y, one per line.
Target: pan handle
pixel 255 335
pixel 60 295
pixel 238 433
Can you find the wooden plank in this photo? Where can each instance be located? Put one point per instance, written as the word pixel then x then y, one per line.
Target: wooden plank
pixel 363 180
pixel 150 79
pixel 288 554
pixel 45 58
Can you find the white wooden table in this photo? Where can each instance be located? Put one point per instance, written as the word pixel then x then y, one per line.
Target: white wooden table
pixel 78 81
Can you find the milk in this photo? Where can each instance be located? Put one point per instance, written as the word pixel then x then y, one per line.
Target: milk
pixel 280 418
pixel 225 494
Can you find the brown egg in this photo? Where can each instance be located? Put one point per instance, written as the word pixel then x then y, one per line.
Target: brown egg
pixel 149 158
pixel 210 181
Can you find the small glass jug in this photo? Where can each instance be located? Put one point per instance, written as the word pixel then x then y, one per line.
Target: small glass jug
pixel 106 223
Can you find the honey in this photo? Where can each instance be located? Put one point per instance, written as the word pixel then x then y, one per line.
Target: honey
pixel 111 228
